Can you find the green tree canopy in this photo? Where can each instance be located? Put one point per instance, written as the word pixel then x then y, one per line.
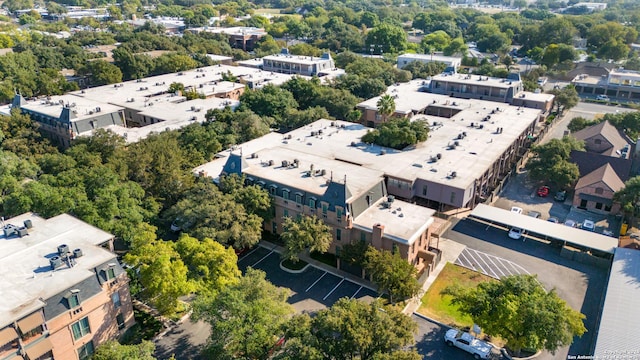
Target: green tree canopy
pixel 386 38
pixel 112 350
pixel 392 273
pixel 397 133
pixel 351 329
pixel 566 98
pixel 520 311
pixel 305 233
pixel 629 196
pixel 246 318
pixel 551 162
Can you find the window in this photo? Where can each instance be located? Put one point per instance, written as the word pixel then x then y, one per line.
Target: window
pixel 115 298
pixel 120 321
pixel 80 328
pixel 599 206
pixel 86 350
pixel 339 213
pixel 325 207
pixel 73 301
pixel 272 189
pixel 274 227
pixel 111 273
pixel 363 236
pixel 599 190
pixel 453 197
pixel 312 203
pixel 298 198
pixel 424 190
pixel 285 213
pixel 338 234
pixel 285 194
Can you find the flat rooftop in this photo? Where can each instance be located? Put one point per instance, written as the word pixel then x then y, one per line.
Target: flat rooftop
pixel 27 278
pixel 296 59
pixel 136 94
pixel 589 80
pixel 358 179
pixel 82 107
pixel 235 30
pixel 480 80
pixel 403 222
pixel 175 117
pixel 429 57
pixel 620 313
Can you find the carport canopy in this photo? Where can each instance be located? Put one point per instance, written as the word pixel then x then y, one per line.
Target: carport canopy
pixel 577 237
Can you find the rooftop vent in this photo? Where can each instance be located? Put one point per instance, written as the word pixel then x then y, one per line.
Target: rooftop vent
pixel 271 162
pixel 28 224
pixel 55 262
pixel 391 198
pixel 77 253
pixel 63 249
pixel 254 156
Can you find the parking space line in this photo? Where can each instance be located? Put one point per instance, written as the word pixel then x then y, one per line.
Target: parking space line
pixel 315 282
pixel 356 293
pixel 467 260
pixel 266 256
pixel 332 290
pixel 496 265
pixel 481 257
pixel 476 263
pixel 249 253
pixel 515 270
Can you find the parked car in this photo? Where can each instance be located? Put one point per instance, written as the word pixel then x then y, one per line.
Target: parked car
pixel 516 233
pixel 561 196
pixel 588 225
pixel 516 210
pixel 534 214
pixel 553 220
pixel 465 341
pixel 602 97
pixel 571 223
pixel 543 191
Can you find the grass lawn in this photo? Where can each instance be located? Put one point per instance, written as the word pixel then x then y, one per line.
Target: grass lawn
pixel 438 306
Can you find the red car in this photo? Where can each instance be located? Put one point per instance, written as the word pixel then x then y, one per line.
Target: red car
pixel 543 191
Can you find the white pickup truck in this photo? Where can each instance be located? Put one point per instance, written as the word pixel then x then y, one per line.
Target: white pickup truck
pixel 478 348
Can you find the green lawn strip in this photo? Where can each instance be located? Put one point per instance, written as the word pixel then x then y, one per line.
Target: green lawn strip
pixel 438 307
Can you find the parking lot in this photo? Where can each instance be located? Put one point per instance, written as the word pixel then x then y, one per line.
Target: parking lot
pixel 582 286
pixel 488 264
pixel 312 289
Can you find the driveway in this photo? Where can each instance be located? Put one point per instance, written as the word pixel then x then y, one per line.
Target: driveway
pixel 581 286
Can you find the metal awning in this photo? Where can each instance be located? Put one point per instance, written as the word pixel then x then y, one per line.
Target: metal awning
pixel 573 236
pixel 40 348
pixel 7 335
pixel 31 322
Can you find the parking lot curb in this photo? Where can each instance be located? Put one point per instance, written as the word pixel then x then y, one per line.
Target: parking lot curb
pixel 291 271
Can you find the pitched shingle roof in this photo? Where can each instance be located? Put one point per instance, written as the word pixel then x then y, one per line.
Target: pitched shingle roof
pixel 588 162
pixel 605 174
pixel 614 136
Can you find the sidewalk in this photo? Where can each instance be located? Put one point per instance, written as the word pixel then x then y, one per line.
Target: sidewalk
pixel 450 252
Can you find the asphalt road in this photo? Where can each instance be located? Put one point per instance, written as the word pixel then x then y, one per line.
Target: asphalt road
pixel 582 286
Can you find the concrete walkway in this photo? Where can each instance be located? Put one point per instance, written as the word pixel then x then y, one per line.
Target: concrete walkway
pixel 450 252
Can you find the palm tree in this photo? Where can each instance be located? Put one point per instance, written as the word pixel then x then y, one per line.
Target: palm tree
pixel 386 106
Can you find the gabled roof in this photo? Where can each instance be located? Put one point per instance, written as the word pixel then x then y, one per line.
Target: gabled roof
pixel 588 162
pixel 604 174
pixel 614 136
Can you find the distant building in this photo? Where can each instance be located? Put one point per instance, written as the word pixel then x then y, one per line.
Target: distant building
pixel 64 291
pixel 509 90
pixel 618 83
pixel 295 64
pixel 63 118
pixel 240 37
pixel 449 61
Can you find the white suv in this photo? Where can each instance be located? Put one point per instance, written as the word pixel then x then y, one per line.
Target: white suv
pixel 602 97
